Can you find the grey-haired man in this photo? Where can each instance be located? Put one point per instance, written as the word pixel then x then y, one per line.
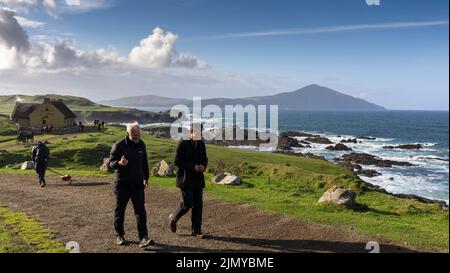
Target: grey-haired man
pixel 129 160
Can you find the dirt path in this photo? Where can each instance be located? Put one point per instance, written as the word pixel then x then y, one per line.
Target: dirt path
pixel 83 212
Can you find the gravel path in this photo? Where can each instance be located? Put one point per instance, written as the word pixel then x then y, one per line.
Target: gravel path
pixel 83 212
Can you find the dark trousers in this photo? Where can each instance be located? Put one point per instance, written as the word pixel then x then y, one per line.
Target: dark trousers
pixel 40 171
pixel 137 196
pixel 192 199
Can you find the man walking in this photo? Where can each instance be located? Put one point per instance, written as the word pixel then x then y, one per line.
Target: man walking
pixel 40 155
pixel 129 160
pixel 191 160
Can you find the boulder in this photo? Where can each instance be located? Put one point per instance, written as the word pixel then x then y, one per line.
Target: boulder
pixel 27 165
pixel 298 134
pixel 405 147
pixel 338 147
pixel 367 159
pixel 162 169
pixel 350 140
pixel 367 138
pixel 340 196
pixel 286 143
pixel 368 173
pixel 227 179
pixel 105 166
pixel 319 140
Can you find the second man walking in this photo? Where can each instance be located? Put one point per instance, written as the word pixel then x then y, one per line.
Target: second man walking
pixel 191 160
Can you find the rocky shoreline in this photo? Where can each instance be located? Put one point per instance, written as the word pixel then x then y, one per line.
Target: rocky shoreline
pixel 353 161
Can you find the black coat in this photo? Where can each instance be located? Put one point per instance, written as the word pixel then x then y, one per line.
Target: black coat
pixel 137 169
pixel 40 153
pixel 186 159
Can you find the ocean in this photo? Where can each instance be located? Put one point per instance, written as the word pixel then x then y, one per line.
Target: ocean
pixel 429 177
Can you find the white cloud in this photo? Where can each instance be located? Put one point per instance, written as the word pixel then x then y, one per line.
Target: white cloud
pixel 329 29
pixel 11 33
pixel 154 66
pixel 17 51
pixel 25 22
pixel 158 51
pixel 190 61
pixel 155 51
pixel 56 7
pixel 13 40
pixel 50 7
pixel 22 6
pixel 80 6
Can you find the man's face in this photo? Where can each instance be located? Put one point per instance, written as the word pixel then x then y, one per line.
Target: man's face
pixel 195 133
pixel 135 135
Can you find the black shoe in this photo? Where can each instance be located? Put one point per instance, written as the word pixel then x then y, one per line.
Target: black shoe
pixel 42 185
pixel 173 224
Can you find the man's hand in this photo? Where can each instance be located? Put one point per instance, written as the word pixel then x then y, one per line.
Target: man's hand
pixel 199 168
pixel 123 161
pixel 145 183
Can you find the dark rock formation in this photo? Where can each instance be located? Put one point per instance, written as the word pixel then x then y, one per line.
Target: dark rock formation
pixel 319 140
pixel 367 173
pixel 287 143
pixel 367 138
pixel 306 155
pixel 338 147
pixel 405 147
pixel 367 159
pixel 350 140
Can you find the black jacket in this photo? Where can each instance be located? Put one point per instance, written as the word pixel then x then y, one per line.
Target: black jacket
pixel 40 153
pixel 186 159
pixel 137 169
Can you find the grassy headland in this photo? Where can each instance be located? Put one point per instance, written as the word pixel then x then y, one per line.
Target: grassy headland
pixel 273 182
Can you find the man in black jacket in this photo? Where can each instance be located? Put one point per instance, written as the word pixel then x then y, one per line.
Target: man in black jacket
pixel 40 155
pixel 129 160
pixel 191 160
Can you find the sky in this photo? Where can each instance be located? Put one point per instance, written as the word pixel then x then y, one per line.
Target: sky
pixel 395 54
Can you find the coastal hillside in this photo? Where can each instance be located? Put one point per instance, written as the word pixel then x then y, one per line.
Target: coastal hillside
pixel 278 183
pixel 309 98
pixel 87 110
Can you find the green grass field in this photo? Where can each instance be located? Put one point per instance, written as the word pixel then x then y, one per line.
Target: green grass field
pixel 22 234
pixel 272 182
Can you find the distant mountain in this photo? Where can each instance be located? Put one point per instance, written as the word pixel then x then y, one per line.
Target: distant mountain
pixel 311 98
pixel 145 101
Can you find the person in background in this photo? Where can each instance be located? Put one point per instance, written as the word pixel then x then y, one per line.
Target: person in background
pixel 40 155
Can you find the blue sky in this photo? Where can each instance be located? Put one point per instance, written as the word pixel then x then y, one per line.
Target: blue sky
pixel 394 54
